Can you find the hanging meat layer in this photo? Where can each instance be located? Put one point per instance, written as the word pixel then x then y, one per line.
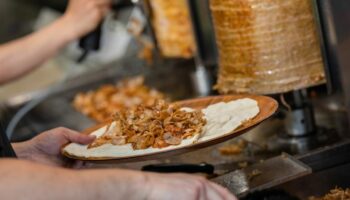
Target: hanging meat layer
pixel 266 46
pixel 172 25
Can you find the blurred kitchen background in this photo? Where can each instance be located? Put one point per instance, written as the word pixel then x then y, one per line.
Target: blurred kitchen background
pixel 62 77
pixel 30 16
pixel 317 119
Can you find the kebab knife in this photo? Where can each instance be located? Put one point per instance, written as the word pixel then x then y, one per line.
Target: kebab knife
pixel 256 177
pixel 91 41
pixel 205 168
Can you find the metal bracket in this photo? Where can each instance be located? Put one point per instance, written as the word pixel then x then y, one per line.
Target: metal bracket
pixel 260 176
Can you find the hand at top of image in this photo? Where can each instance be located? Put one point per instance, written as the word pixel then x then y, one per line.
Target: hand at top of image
pixel 83 16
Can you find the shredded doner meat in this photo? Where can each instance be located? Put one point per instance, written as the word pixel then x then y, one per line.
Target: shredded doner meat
pixel 102 103
pixel 335 194
pixel 157 126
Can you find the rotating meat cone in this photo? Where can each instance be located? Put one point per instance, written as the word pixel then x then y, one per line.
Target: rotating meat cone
pixel 266 46
pixel 172 26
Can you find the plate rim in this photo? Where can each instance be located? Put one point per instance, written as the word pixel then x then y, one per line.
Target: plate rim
pixel 245 127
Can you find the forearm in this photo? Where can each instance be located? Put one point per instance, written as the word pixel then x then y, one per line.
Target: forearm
pixel 20 56
pixel 115 184
pixel 25 180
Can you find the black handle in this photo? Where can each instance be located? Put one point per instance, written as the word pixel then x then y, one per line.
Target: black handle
pixel 270 195
pixel 91 42
pixel 183 168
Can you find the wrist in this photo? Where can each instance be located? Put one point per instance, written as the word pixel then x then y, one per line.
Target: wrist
pixel 66 29
pixel 109 184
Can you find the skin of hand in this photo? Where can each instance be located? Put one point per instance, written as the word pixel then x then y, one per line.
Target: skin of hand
pixel 46 147
pixel 41 182
pixel 83 16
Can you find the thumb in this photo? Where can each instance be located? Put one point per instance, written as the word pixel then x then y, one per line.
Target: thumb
pixel 79 138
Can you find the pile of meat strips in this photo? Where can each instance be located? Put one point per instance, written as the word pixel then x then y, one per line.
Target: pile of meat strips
pixel 157 126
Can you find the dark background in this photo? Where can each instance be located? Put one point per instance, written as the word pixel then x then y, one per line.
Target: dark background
pixel 18 16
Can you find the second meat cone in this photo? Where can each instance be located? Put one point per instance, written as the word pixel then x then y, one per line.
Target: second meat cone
pixel 266 47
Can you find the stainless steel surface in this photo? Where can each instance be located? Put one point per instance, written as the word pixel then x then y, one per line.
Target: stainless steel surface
pixel 202 80
pixel 272 172
pixel 330 166
pixel 203 32
pixel 327 157
pixel 206 55
pixel 303 144
pixel 319 183
pixel 302 132
pixel 320 24
pixel 330 127
pixel 237 182
pixel 299 122
pixel 334 18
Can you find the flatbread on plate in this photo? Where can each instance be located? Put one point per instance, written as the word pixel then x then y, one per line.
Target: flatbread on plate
pixel 224 118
